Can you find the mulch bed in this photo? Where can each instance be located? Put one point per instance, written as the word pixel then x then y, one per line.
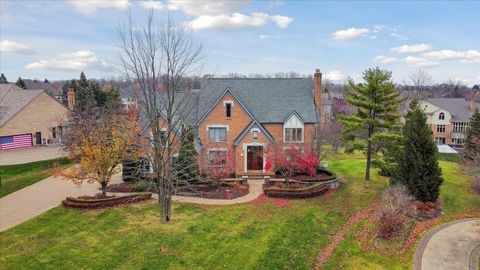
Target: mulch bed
pixel 125 187
pixel 222 192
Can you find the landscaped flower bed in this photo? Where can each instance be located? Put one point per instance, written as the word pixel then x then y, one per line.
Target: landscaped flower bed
pixel 94 202
pixel 224 191
pixel 295 190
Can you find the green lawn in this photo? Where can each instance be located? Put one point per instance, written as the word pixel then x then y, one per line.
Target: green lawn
pixel 248 236
pixel 15 177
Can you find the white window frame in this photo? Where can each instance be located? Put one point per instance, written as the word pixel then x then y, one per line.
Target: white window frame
pixel 440 128
pixel 216 126
pixel 216 150
pixel 231 108
pixel 293 124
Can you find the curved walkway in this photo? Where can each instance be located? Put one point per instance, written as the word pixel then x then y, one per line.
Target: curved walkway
pixel 452 246
pixel 255 190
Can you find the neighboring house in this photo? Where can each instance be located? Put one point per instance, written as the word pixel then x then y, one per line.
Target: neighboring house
pixel 57 93
pixel 449 118
pixel 243 117
pixel 29 117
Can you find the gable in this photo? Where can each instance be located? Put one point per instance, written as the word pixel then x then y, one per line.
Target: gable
pixel 250 128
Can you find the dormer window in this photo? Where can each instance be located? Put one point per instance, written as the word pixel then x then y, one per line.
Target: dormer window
pixel 293 130
pixel 228 109
pixel 441 116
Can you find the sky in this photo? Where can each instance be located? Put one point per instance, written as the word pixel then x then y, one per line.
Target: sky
pixel 58 39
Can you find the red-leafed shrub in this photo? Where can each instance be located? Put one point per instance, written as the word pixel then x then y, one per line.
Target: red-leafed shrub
pixel 290 160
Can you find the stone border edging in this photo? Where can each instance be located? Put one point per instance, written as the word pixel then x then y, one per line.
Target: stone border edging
pixel 417 257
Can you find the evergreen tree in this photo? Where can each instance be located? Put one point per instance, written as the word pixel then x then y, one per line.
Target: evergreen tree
pixel 46 80
pixel 418 167
pixel 377 102
pixel 472 143
pixel 3 79
pixel 186 166
pixel 84 96
pixel 20 83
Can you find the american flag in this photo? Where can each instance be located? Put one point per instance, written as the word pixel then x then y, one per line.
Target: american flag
pixel 15 141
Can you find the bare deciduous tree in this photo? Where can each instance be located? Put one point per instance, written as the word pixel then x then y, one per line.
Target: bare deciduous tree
pixel 158 56
pixel 420 80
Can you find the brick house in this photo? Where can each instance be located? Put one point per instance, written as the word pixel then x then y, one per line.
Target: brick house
pixel 29 117
pixel 241 118
pixel 448 118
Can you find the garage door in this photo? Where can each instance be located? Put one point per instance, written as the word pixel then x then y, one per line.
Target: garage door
pixel 15 141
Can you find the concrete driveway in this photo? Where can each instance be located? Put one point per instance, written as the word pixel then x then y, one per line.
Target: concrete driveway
pixel 20 156
pixel 38 198
pixel 451 246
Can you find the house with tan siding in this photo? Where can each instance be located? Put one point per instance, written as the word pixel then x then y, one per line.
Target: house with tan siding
pixel 29 117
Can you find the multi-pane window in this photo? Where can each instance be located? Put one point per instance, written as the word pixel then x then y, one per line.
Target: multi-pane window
pixel 458 141
pixel 460 127
pixel 441 128
pixel 163 137
pixel 441 116
pixel 217 134
pixel 217 158
pixel 293 135
pixel 228 110
pixel 440 140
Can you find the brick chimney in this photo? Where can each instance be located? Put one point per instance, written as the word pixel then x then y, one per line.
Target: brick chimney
pixel 317 90
pixel 473 102
pixel 70 98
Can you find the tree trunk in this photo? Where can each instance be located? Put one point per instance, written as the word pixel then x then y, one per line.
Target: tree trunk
pixel 369 157
pixel 104 189
pixel 164 200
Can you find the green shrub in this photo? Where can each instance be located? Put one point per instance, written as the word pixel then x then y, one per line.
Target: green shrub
pixel 141 186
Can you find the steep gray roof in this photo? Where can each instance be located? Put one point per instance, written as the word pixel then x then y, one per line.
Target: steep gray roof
pixel 269 100
pixel 13 99
pixel 458 107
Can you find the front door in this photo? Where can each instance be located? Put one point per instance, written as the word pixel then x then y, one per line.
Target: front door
pixel 38 138
pixel 254 158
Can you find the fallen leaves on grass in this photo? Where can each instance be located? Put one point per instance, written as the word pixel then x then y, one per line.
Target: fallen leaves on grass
pixel 326 252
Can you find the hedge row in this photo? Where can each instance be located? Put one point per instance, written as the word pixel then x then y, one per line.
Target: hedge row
pixel 306 192
pixel 105 202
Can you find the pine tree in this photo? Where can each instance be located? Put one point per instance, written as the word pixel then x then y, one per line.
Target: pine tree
pixel 3 79
pixel 46 80
pixel 186 166
pixel 418 167
pixel 377 102
pixel 20 83
pixel 84 96
pixel 472 142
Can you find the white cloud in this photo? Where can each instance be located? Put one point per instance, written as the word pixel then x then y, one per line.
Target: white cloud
pixel 398 36
pixel 412 48
pixel 385 59
pixel 335 75
pixel 90 7
pixel 281 21
pixel 150 4
pixel 206 7
pixel 262 36
pixel 237 20
pixel 419 62
pixel 469 56
pixel 79 60
pixel 350 33
pixel 10 46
